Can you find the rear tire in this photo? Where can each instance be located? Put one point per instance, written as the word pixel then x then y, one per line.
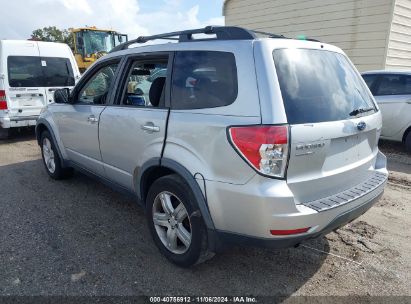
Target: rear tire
pixel 407 142
pixel 179 231
pixel 51 158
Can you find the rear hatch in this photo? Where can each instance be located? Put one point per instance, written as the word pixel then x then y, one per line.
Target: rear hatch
pixel 57 66
pixel 334 124
pixel 33 80
pixel 24 91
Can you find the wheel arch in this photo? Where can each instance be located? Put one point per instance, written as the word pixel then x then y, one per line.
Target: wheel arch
pixel 43 125
pixel 156 168
pixel 40 128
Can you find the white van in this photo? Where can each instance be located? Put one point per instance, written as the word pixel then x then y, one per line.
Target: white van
pixel 30 72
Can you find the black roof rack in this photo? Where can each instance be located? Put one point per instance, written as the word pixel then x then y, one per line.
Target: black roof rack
pixel 221 33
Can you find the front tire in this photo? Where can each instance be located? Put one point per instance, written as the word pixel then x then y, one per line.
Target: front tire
pixel 51 158
pixel 177 229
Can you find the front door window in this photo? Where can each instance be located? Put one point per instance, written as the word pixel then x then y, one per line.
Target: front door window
pixel 97 88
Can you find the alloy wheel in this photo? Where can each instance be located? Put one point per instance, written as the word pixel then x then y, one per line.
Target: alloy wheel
pixel 172 222
pixel 48 155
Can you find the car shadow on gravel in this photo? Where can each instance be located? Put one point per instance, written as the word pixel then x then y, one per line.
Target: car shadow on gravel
pixel 398 158
pixel 19 135
pixel 392 147
pixel 78 237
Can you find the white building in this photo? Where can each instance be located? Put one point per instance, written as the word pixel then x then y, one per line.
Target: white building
pixel 375 34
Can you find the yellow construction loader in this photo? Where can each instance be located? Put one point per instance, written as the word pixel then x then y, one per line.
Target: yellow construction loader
pixel 91 43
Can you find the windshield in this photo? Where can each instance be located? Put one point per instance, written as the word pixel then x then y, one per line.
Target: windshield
pixel 33 71
pixel 95 41
pixel 318 86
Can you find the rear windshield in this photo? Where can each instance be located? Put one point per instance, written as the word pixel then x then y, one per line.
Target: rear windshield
pixel 32 71
pixel 319 86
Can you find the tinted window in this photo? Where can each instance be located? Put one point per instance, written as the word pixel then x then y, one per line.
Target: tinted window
pixel 394 85
pixel 203 79
pixel 96 89
pixel 32 71
pixel 57 72
pixel 25 71
pixel 319 86
pixel 369 80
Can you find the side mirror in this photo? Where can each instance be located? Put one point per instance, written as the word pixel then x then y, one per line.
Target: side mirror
pixel 62 95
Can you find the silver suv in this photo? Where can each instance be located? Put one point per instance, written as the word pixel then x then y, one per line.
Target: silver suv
pixel 224 138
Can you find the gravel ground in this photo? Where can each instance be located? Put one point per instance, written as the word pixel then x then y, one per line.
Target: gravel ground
pixel 77 237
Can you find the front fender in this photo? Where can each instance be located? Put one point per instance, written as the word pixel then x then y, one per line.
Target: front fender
pixel 47 123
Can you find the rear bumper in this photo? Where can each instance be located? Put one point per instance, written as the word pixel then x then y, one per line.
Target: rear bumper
pixel 18 121
pixel 246 214
pixel 225 238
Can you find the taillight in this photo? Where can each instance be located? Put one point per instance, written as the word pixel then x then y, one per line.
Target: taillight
pixel 265 148
pixel 3 101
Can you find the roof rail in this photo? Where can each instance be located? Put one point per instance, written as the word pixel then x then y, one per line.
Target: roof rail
pixel 301 37
pixel 271 35
pixel 312 39
pixel 221 33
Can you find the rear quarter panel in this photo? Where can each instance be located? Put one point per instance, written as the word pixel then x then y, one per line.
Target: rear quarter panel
pixel 199 143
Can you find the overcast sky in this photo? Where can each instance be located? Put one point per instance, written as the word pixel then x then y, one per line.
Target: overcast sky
pixel 133 17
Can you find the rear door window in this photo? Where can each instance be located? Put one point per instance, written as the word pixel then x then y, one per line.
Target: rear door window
pixel 203 79
pixel 33 71
pixel 394 85
pixel 146 83
pixel 319 86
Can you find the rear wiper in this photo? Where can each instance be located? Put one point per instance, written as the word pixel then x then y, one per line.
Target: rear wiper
pixel 361 110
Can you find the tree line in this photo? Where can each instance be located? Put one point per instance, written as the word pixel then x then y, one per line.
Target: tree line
pixel 53 34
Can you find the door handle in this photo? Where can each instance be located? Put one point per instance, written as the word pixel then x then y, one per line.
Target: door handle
pixel 150 127
pixel 92 119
